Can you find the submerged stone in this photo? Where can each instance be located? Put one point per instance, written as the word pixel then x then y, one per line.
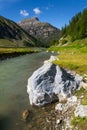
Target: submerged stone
pixel 49 82
pixel 25 114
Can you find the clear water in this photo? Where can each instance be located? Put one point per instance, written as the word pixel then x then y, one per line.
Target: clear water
pixel 14 74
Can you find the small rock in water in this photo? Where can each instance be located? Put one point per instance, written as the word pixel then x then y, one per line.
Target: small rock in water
pixel 25 114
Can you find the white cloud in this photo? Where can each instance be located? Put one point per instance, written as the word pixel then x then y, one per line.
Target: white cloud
pixel 37 11
pixel 24 13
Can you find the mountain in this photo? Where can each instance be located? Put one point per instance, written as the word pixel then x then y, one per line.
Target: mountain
pixel 12 35
pixel 77 28
pixel 44 32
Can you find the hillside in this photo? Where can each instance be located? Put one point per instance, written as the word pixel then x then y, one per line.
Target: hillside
pixel 44 32
pixel 77 28
pixel 72 50
pixel 11 35
pixel 73 44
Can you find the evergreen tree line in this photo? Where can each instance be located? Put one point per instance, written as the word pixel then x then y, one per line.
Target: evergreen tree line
pixel 77 27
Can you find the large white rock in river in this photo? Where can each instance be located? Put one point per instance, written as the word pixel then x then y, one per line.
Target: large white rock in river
pixel 49 81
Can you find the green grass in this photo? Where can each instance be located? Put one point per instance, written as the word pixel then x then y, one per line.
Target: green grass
pixel 7 43
pixel 17 50
pixel 79 93
pixel 80 123
pixel 73 56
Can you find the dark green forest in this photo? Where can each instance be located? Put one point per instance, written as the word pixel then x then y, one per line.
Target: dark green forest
pixel 77 27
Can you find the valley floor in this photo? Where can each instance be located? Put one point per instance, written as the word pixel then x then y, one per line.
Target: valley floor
pixel 14 52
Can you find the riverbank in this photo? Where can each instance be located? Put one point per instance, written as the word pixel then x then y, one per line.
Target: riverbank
pixel 74 57
pixel 15 52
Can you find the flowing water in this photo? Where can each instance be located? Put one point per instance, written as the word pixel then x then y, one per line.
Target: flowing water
pixel 14 74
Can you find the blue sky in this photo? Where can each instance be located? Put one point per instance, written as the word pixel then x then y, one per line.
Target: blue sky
pixel 56 12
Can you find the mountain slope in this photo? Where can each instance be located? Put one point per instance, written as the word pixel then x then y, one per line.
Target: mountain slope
pixel 77 28
pixel 12 35
pixel 44 32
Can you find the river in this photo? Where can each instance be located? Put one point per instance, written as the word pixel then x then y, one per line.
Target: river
pixel 14 74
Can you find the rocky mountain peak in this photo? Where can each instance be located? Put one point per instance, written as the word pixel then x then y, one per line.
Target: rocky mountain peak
pixel 29 21
pixel 42 31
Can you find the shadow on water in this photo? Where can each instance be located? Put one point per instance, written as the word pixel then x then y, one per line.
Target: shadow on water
pixel 5 123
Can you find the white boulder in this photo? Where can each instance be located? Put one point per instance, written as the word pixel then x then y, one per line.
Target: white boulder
pixel 49 81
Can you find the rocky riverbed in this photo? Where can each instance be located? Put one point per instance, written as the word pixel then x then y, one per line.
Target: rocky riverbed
pixel 51 83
